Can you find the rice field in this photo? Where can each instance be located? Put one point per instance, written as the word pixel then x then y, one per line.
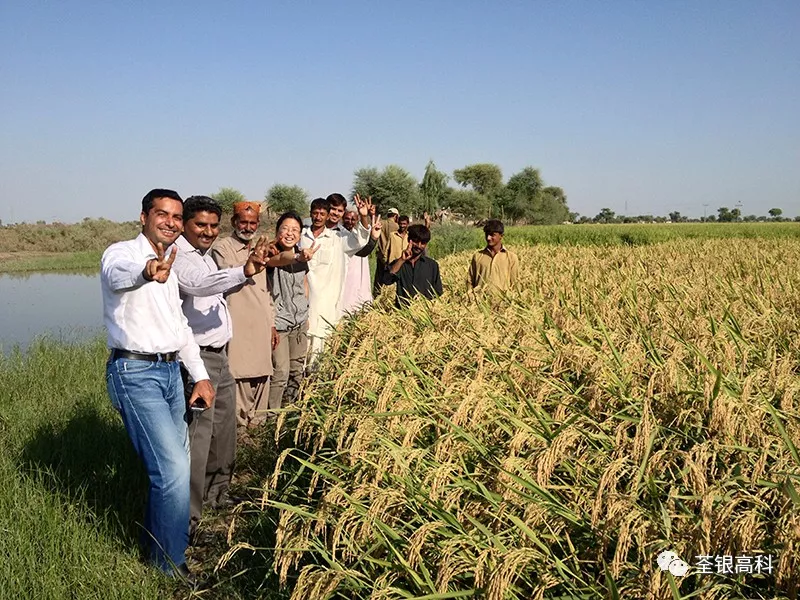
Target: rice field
pixel 449 239
pixel 630 398
pixel 551 443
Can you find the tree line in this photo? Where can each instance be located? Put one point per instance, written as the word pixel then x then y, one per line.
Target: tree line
pixel 724 215
pixel 479 193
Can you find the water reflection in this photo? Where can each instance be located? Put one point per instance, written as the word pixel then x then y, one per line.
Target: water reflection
pixel 65 305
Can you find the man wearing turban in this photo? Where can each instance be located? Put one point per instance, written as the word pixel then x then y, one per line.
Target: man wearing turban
pixel 253 316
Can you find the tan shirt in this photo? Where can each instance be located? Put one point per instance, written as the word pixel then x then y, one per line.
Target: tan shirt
pixel 388 228
pixel 498 271
pixel 252 313
pixel 395 246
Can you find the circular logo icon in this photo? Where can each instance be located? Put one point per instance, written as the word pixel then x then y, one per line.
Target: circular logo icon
pixel 678 568
pixel 666 557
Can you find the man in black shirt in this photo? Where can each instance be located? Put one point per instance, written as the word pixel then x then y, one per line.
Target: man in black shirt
pixel 414 272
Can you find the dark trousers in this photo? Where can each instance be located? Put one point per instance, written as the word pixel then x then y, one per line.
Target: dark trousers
pixel 380 273
pixel 212 439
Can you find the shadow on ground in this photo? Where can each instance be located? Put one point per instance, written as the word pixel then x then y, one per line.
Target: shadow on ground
pixel 89 459
pixel 249 574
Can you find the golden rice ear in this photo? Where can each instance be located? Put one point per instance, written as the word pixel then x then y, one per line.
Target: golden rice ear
pixel 554 440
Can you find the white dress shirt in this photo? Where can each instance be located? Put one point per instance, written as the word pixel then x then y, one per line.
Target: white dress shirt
pixel 201 284
pixel 327 271
pixel 145 316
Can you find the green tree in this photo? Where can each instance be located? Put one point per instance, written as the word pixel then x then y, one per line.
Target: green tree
pixel 281 198
pixel 775 213
pixel 484 178
pixel 432 188
pixel 227 196
pixel 675 217
pixel 391 187
pixel 522 195
pixel 724 214
pixel 606 215
pixel 553 208
pixel 469 203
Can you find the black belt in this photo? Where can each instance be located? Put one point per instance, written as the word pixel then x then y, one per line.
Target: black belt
pixel 163 356
pixel 212 349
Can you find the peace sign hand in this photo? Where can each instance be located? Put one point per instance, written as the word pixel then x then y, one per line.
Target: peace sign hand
pixel 363 204
pixel 407 253
pixel 375 232
pixel 306 254
pixel 158 269
pixel 258 257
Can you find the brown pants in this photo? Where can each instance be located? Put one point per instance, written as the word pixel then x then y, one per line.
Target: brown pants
pixel 288 360
pixel 212 438
pixel 252 396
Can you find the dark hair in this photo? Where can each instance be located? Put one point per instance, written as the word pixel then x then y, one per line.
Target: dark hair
pixel 288 215
pixel 494 226
pixel 195 204
pixel 320 203
pixel 419 233
pixel 150 197
pixel 403 218
pixel 336 200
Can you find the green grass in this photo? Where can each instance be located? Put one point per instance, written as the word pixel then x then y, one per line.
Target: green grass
pixel 73 490
pixel 72 486
pixel 67 261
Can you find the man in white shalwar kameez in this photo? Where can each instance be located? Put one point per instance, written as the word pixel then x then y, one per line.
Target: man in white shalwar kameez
pixel 327 269
pixel 357 292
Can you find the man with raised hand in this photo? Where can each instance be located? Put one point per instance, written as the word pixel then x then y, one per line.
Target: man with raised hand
pixel 147 333
pixel 357 291
pixel 253 315
pixel 415 273
pixel 202 283
pixel 328 267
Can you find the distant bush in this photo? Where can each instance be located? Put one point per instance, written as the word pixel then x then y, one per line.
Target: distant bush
pixel 88 235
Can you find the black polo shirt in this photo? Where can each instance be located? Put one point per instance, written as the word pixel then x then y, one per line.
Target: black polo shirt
pixel 421 278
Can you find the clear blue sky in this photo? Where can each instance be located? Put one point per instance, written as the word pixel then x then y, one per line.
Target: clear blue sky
pixel 659 106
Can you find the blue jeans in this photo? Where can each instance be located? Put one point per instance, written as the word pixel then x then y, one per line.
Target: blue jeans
pixel 149 396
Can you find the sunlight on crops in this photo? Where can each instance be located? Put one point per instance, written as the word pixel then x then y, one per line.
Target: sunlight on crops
pixel 551 443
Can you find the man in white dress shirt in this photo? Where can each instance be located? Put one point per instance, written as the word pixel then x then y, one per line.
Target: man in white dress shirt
pixel 202 283
pixel 147 334
pixel 328 268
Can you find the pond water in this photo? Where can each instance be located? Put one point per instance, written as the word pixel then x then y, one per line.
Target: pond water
pixel 66 306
